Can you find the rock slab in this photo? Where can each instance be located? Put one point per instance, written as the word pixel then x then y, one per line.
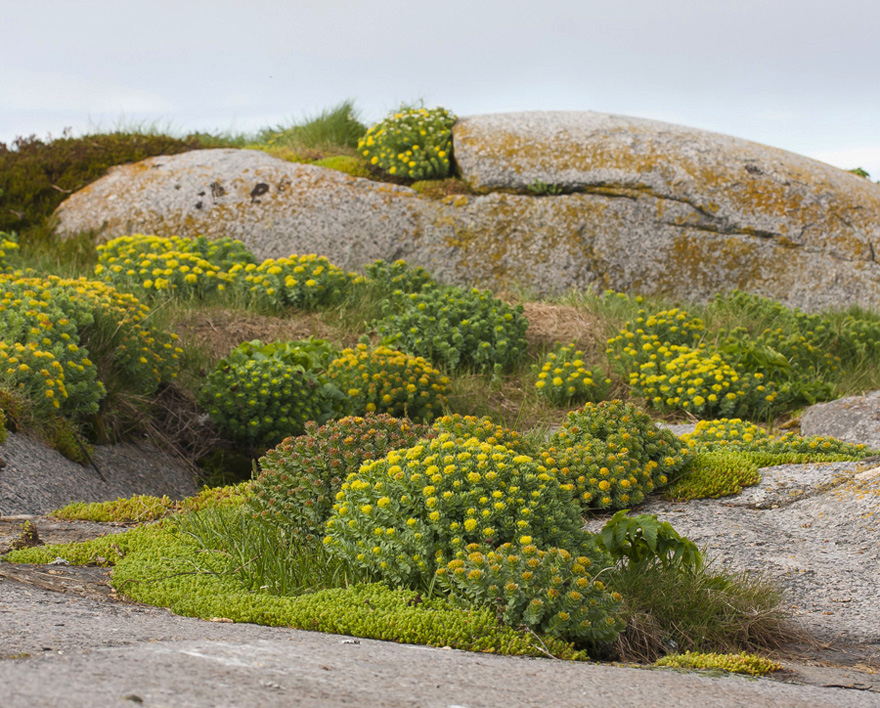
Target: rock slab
pixel 855 419
pixel 646 207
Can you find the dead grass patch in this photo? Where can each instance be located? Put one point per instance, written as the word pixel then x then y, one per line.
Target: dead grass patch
pixel 550 324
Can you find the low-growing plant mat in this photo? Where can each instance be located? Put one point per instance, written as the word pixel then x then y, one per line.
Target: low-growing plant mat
pixel 157 565
pixel 741 663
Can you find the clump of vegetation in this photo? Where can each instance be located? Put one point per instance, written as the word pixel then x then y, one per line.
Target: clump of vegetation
pixel 551 592
pixel 333 130
pixel 303 282
pixel 260 394
pixel 465 427
pixel 64 344
pixel 149 265
pixel 399 275
pixel 643 538
pixel 388 381
pixel 414 143
pixel 299 479
pixel 457 329
pixel 741 663
pixel 563 378
pixel 404 516
pixel 144 507
pixel 8 249
pixel 612 454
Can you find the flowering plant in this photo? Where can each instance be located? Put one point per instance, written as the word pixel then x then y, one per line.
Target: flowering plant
pixel 612 454
pixel 414 143
pixel 387 380
pixel 8 246
pixel 388 277
pixel 300 477
pixel 456 328
pixel 303 282
pixel 551 591
pixel 563 378
pixel 404 516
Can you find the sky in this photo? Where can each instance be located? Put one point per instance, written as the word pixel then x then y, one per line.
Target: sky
pixel 801 75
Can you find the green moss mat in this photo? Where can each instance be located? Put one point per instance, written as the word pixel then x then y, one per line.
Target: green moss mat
pixel 158 566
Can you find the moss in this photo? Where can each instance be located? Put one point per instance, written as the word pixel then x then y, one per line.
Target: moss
pixel 734 663
pixel 345 163
pixel 714 474
pixel 157 565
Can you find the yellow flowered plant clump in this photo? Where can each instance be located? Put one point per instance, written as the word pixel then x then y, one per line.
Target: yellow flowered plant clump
pixel 52 330
pixel 8 246
pixel 406 515
pixel 464 427
pixel 673 370
pixel 413 143
pixel 553 592
pixel 563 378
pixel 611 455
pixel 389 381
pixel 154 265
pixel 305 282
pixel 741 663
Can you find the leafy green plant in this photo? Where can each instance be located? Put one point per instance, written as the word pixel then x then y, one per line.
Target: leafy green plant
pixel 388 381
pixel 404 516
pixel 260 394
pixel 415 143
pixel 551 592
pixel 644 537
pixel 456 329
pixel 611 454
pixel 741 663
pixel 564 379
pixel 299 478
pixel 302 282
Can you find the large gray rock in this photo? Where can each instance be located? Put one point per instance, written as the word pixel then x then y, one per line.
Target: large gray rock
pixel 275 207
pixel 855 419
pixel 652 208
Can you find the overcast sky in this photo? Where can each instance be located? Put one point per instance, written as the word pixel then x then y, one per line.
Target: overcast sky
pixel 797 74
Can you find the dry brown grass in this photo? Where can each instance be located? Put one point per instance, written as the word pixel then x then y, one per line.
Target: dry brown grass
pixel 550 324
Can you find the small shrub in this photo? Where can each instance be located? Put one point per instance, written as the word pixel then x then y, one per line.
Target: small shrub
pixel 260 394
pixel 551 592
pixel 457 329
pixel 563 378
pixel 300 477
pixel 389 381
pixel 741 663
pixel 388 277
pixel 612 454
pixel 404 516
pixel 301 282
pixel 63 341
pixel 414 143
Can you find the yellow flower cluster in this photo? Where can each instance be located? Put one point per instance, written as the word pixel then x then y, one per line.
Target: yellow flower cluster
pixel 169 265
pixel 389 381
pixel 305 282
pixel 563 378
pixel 405 515
pixel 553 592
pixel 50 327
pixel 414 143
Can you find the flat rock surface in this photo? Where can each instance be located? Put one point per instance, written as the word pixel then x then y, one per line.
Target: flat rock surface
pixel 855 419
pixel 68 649
pixel 37 479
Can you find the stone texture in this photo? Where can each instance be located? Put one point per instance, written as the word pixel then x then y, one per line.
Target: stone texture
pixel 275 207
pixel 653 208
pixel 855 419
